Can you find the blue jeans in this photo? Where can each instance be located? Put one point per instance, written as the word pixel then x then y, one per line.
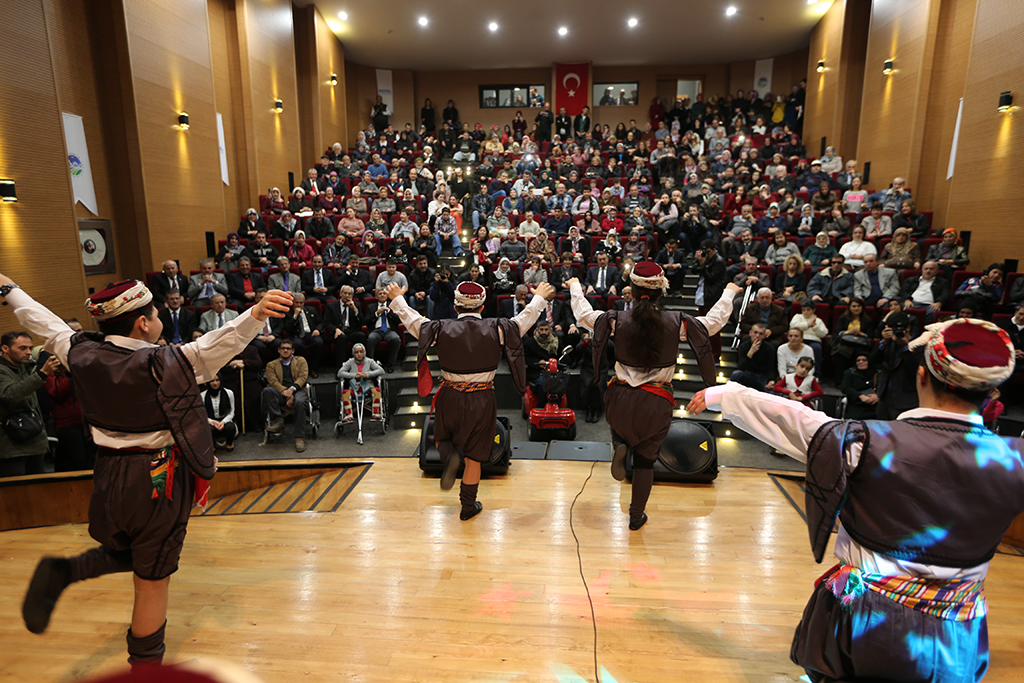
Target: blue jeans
pixel 749 379
pixel 454 239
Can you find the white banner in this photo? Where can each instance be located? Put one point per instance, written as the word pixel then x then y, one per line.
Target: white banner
pixel 956 140
pixel 78 162
pixel 385 90
pixel 763 76
pixel 223 149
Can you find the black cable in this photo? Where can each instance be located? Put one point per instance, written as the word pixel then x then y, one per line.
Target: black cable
pixel 593 619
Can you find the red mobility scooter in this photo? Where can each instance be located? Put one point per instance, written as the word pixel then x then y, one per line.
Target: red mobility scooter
pixel 554 420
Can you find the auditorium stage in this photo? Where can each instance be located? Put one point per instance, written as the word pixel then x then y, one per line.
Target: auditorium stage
pixel 391 586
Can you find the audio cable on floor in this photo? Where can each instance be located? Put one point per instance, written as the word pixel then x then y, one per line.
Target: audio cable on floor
pixel 579 557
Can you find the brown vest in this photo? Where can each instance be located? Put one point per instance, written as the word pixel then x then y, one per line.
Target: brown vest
pixel 696 336
pixel 927 490
pixel 141 391
pixel 470 345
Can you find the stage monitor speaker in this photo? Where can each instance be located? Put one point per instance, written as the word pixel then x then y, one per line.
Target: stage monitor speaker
pixel 688 454
pixel 501 453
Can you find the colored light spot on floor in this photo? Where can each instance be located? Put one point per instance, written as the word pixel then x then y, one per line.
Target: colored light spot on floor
pixel 501 601
pixel 644 573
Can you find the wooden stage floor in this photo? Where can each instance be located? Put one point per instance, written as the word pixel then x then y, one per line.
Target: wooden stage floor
pixel 393 587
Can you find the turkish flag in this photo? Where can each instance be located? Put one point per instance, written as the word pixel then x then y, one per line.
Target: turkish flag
pixel 572 87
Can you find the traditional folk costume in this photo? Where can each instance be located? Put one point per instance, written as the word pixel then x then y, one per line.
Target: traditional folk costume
pixel 154 444
pixel 469 349
pixel 923 501
pixel 639 401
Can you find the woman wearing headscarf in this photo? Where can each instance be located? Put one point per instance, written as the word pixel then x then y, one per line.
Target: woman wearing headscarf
pixel 359 375
pixel 220 411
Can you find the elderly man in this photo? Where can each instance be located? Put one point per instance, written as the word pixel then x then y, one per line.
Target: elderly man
pixel 832 285
pixel 742 249
pixel 169 280
pixel 383 326
pixel 814 177
pixel 343 325
pixel 313 184
pixel 242 286
pixel 218 315
pixel 285 280
pixel 305 329
pixel 203 285
pixel 769 315
pixel 287 380
pixel 892 198
pixel 756 360
pixel 876 284
pixel 929 291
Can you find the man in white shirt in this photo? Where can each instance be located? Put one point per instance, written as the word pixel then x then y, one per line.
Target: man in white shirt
pixel 923 501
pixel 929 291
pixel 528 227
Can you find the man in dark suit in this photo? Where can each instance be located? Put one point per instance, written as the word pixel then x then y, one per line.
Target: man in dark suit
pixel 510 308
pixel 318 282
pixel 383 326
pixel 358 279
pixel 562 272
pixel 305 328
pixel 269 336
pixel 262 253
pixel 558 314
pixel 312 184
pixel 626 302
pixel 771 315
pixel 343 325
pixel 739 249
pixel 179 322
pixel 1015 328
pixel 169 280
pixel 242 286
pixel 711 272
pixel 601 281
pixel 929 291
pixel 673 262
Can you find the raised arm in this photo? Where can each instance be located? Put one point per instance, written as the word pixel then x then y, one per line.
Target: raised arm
pixel 409 316
pixel 38 320
pixel 786 425
pixel 585 314
pixel 719 314
pixel 531 312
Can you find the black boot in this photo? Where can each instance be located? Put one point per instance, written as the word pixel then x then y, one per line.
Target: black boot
pixel 643 480
pixel 147 651
pixel 451 461
pixel 619 450
pixel 52 576
pixel 471 507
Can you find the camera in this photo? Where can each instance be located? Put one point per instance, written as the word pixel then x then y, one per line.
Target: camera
pixel 899 330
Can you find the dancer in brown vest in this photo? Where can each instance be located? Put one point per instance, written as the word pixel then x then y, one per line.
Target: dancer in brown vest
pixel 922 500
pixel 639 400
pixel 469 349
pixel 143 406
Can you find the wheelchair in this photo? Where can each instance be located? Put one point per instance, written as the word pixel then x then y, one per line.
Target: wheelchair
pixel 312 417
pixel 362 408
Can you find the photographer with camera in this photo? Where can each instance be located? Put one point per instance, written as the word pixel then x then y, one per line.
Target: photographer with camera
pixel 442 295
pixel 897 364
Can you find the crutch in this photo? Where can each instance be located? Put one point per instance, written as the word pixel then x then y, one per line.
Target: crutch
pixel 739 322
pixel 361 402
pixel 241 390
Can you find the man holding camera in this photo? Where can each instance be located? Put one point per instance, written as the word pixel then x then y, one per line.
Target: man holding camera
pixel 20 378
pixel 897 365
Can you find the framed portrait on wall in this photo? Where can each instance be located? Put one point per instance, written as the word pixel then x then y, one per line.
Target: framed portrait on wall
pixel 96 238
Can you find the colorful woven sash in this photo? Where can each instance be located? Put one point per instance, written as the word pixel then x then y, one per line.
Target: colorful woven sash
pixel 961 600
pixel 661 389
pixel 161 471
pixel 464 387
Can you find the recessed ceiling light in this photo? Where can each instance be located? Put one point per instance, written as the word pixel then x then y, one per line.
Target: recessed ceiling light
pixel 423 21
pixel 343 16
pixel 562 31
pixel 731 11
pixel 811 2
pixel 633 22
pixel 493 26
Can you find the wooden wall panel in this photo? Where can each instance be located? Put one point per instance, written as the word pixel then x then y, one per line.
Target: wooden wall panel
pixel 899 30
pixel 330 55
pixel 741 77
pixel 172 71
pixel 32 153
pixel 787 70
pixel 986 185
pixel 403 82
pixel 823 88
pixel 271 57
pixel 464 88
pixel 361 93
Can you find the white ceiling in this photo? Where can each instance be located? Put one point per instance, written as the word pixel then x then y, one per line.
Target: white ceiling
pixel 386 33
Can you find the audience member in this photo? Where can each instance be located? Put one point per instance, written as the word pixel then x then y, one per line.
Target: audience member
pixel 820 253
pixel 813 329
pixel 983 292
pixel 204 284
pixel 217 316
pixel 875 284
pixel 284 279
pixel 220 412
pixel 243 285
pixel 853 334
pixel 857 248
pixel 800 384
pixel 858 386
pixel 167 281
pixel 600 281
pixel 877 225
pixel 383 325
pixel 711 274
pixel 178 321
pixel 304 327
pixel 261 253
pixel 832 285
pixel 286 391
pixel 343 325
pixel 771 316
pixel 756 360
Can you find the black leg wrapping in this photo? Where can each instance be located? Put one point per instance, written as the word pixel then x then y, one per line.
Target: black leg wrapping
pixel 643 479
pixel 470 506
pixel 98 562
pixel 148 651
pixel 51 577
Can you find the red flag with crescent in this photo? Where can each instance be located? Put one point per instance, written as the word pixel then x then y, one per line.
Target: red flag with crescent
pixel 572 87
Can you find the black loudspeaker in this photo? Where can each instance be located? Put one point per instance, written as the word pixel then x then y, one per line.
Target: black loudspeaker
pixel 688 454
pixel 501 454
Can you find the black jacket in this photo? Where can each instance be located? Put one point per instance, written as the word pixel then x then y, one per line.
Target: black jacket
pixel 162 285
pixel 293 326
pixel 236 285
pixel 188 322
pixel 713 272
pixel 308 283
pixel 362 278
pixel 334 319
pixel 370 319
pixel 940 289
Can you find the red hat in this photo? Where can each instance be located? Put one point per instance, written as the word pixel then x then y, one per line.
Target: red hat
pixel 470 295
pixel 118 300
pixel 648 275
pixel 967 353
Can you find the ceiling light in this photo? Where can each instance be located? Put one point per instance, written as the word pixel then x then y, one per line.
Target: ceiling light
pixel 887 67
pixel 731 11
pixel 811 2
pixel 562 31
pixel 633 22
pixel 1005 101
pixel 343 16
pixel 423 21
pixel 493 26
pixel 821 65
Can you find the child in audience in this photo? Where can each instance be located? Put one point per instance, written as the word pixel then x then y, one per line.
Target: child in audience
pixel 800 384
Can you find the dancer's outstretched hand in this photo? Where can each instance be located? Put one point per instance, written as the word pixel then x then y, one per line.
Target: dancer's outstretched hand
pixel 734 288
pixel 696 405
pixel 394 291
pixel 570 282
pixel 274 304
